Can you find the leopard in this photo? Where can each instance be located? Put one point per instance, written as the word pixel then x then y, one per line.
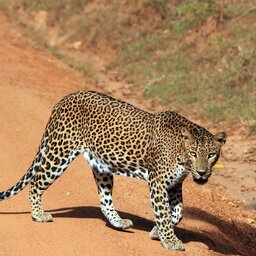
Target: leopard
pixel 116 137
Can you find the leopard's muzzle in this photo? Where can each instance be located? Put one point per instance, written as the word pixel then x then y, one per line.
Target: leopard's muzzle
pixel 201 177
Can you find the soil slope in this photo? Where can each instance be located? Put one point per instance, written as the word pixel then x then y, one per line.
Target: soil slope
pixel 31 82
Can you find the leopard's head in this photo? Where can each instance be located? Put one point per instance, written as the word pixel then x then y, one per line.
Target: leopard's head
pixel 202 153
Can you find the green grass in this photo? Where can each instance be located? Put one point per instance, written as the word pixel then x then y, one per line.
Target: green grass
pixel 212 76
pixel 191 14
pixel 218 83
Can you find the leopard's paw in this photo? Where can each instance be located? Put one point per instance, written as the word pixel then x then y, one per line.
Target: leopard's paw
pixel 154 233
pixel 126 223
pixel 42 217
pixel 174 245
pixel 121 224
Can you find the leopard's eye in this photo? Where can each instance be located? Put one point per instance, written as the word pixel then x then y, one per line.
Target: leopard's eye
pixel 211 155
pixel 192 153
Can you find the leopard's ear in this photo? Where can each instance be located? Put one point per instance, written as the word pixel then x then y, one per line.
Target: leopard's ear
pixel 185 133
pixel 221 137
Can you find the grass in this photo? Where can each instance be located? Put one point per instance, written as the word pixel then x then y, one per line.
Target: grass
pixel 169 50
pixel 192 14
pixel 216 83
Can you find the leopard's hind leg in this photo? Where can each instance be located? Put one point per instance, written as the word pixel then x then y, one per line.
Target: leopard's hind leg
pixel 104 181
pixel 50 169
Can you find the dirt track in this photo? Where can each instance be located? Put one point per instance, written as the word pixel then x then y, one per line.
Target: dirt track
pixel 31 82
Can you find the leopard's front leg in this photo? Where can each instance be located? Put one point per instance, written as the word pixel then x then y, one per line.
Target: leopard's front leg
pixel 176 204
pixel 160 204
pixel 176 207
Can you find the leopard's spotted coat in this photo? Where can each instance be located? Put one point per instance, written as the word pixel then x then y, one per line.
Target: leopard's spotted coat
pixel 118 138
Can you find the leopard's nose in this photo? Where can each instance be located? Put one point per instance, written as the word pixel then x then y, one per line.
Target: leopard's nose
pixel 201 172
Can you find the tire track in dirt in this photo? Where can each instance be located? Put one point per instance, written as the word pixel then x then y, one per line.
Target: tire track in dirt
pixel 31 82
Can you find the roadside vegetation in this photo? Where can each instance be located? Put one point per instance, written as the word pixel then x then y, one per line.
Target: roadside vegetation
pixel 196 57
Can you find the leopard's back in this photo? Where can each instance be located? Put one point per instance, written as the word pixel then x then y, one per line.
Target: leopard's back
pixel 112 134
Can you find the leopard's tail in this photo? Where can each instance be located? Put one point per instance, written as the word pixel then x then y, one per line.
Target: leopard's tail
pixel 29 175
pixel 22 183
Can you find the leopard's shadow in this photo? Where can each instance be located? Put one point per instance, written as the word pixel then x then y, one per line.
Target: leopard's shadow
pixel 141 223
pixel 144 224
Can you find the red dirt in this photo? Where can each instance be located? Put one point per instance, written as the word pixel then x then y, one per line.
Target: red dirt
pixel 31 82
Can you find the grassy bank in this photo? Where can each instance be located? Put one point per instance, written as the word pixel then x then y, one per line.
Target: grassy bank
pixel 197 57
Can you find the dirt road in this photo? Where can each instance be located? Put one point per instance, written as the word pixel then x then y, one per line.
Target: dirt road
pixel 31 81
